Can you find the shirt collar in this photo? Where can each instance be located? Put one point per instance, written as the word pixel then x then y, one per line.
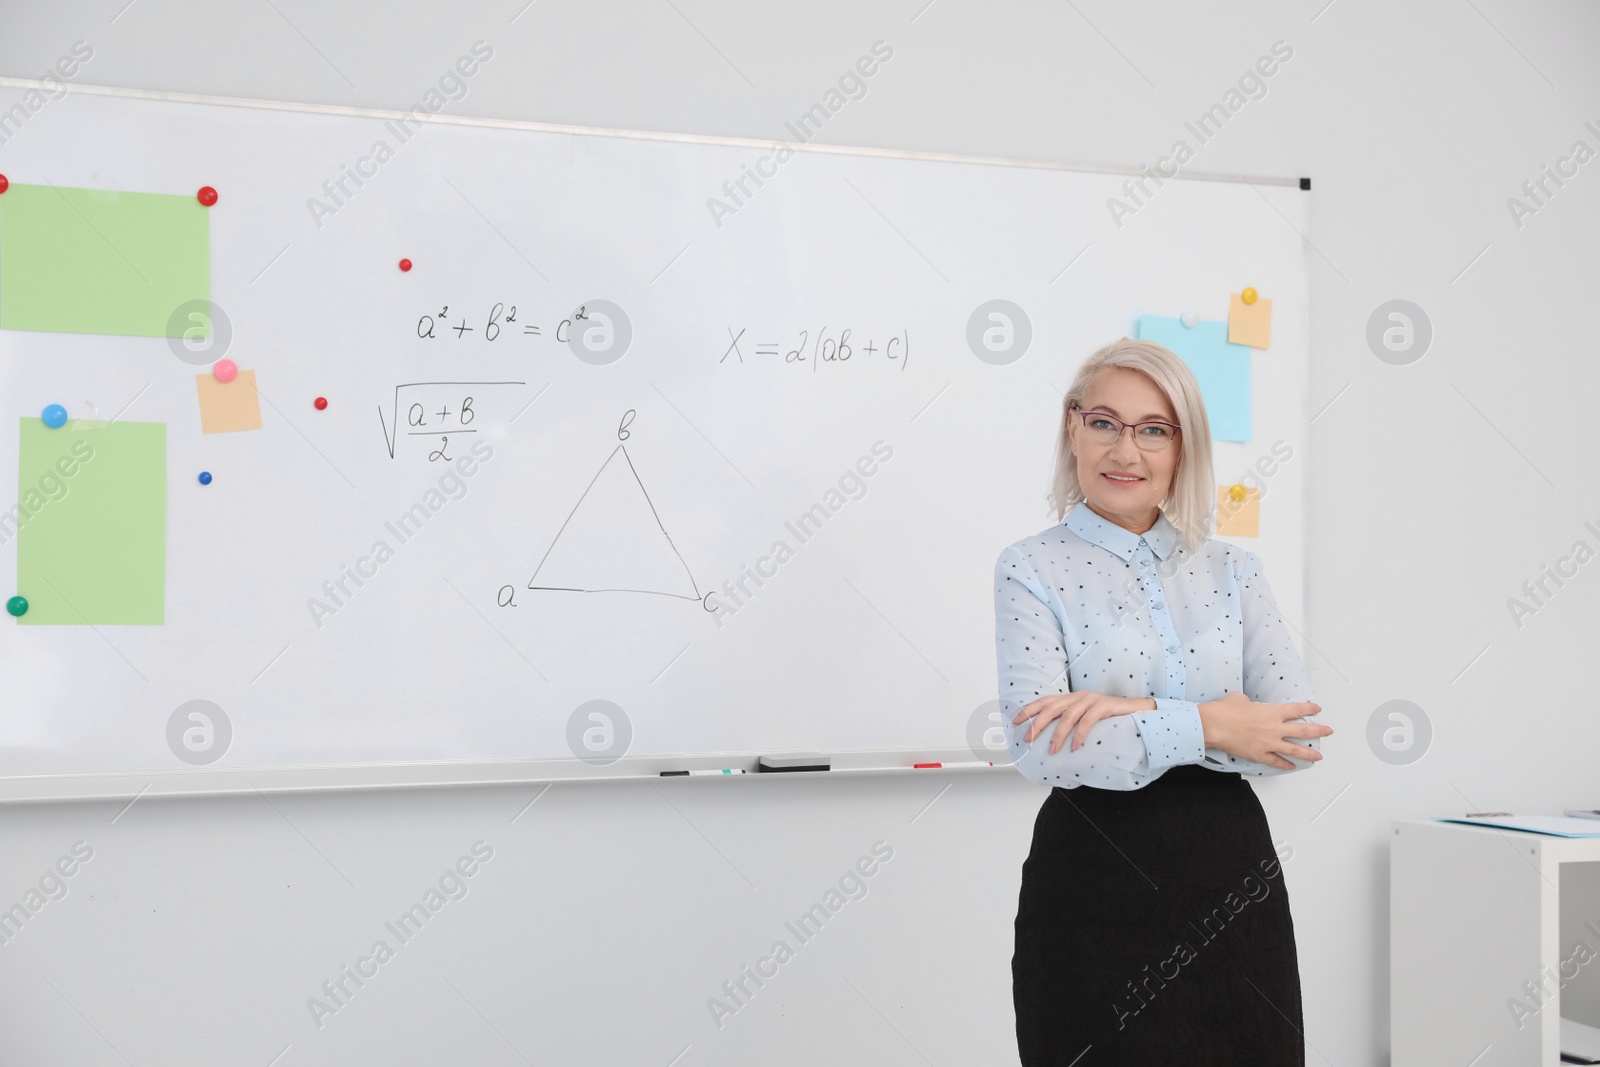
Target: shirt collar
pixel 1082 520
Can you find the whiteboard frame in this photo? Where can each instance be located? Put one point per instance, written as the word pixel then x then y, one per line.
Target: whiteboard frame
pixel 331 778
pixel 202 782
pixel 642 135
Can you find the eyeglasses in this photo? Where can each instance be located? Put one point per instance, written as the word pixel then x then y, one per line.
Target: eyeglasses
pixel 1107 429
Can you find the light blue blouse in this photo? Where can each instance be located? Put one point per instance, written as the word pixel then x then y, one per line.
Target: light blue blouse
pixel 1089 605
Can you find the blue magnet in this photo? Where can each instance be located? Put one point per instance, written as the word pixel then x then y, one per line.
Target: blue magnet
pixel 205 477
pixel 54 416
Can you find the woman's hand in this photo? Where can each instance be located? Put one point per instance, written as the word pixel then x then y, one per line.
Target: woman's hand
pixel 1259 732
pixel 1082 709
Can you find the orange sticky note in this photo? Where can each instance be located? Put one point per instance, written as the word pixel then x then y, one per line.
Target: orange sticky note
pixel 234 406
pixel 1238 514
pixel 1249 324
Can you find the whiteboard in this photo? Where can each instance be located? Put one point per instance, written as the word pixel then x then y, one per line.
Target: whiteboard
pixel 659 399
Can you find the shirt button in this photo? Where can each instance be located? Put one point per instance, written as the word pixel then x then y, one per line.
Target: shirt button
pixel 1158 607
pixel 1173 649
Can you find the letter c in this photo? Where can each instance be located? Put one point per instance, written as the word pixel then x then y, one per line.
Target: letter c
pixel 1565 573
pixel 364 573
pixel 762 971
pixel 762 172
pixel 1566 173
pixel 765 573
pixel 362 170
pixel 1162 173
pixel 364 973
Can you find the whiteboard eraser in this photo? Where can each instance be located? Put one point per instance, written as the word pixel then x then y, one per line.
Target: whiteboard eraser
pixel 804 761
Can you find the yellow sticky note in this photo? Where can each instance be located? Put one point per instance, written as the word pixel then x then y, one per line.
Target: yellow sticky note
pixel 1238 514
pixel 233 406
pixel 1249 324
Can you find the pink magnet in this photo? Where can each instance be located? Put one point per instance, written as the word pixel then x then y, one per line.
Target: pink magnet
pixel 225 370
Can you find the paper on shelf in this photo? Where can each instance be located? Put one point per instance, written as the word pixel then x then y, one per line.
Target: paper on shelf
pixel 1580 1041
pixel 1555 825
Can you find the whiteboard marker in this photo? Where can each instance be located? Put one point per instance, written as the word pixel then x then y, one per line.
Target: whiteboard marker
pixel 800 761
pixel 965 763
pixel 725 770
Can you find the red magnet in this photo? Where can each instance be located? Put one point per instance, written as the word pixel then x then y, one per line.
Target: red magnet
pixel 207 195
pixel 405 264
pixel 321 403
pixel 4 184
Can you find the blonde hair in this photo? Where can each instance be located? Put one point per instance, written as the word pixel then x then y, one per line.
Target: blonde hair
pixel 1190 501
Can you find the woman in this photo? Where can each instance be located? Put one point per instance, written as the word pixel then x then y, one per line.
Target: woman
pixel 1144 669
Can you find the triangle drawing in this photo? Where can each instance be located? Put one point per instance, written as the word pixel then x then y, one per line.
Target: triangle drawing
pixel 613 541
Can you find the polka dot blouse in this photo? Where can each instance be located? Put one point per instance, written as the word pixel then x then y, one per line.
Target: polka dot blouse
pixel 1090 606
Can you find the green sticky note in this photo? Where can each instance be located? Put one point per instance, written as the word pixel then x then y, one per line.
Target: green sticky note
pixel 99 261
pixel 91 523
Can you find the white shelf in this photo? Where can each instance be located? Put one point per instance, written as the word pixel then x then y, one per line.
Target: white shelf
pixel 1475 913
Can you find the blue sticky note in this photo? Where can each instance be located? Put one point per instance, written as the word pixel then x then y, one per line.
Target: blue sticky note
pixel 1221 369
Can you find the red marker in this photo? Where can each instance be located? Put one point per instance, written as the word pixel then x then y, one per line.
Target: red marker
pixel 405 264
pixel 4 184
pixel 965 763
pixel 321 402
pixel 206 195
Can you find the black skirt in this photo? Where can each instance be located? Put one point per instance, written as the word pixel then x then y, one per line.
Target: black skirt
pixel 1153 927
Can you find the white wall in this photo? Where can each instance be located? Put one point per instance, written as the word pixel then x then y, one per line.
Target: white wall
pixel 609 913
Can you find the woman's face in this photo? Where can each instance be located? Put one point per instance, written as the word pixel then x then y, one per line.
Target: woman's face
pixel 1131 397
